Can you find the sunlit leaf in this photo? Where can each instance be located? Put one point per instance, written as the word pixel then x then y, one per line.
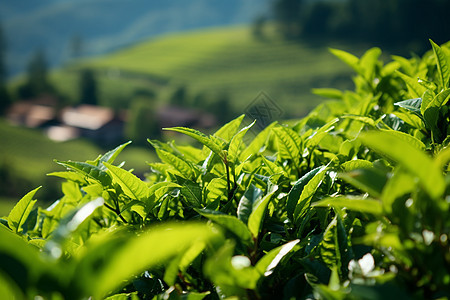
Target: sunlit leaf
pixel 202 138
pixel 148 250
pixel 442 66
pixel 256 218
pixel 236 144
pixel 185 169
pixel 250 197
pixel 21 211
pixel 87 170
pixel 289 143
pixel 308 191
pixel 297 189
pixel 347 58
pixel 268 262
pixel 230 223
pixel 110 156
pixel 132 186
pixel 227 131
pixel 410 157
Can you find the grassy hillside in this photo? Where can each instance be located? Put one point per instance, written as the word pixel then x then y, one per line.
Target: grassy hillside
pixel 223 60
pixel 27 155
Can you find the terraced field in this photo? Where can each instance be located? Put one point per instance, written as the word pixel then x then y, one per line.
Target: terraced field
pixel 223 60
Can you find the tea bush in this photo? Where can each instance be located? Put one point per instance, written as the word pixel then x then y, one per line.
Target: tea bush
pixel 350 202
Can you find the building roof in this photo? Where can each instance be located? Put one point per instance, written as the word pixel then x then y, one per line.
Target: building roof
pixel 87 116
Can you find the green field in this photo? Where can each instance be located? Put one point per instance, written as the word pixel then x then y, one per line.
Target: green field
pixel 28 156
pixel 214 61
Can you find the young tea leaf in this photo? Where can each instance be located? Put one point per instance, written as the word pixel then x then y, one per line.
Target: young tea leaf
pixel 441 62
pixel 212 144
pixel 88 170
pixel 256 218
pixel 132 186
pixel 297 189
pixel 21 211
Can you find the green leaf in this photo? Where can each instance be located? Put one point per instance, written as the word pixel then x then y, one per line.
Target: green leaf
pixel 370 180
pixel 297 189
pixel 216 189
pixel 399 184
pixel 209 142
pixel 335 249
pixel 317 136
pixel 69 224
pixel 184 168
pixel 407 138
pixel 289 143
pixel 328 93
pixel 110 156
pixel 257 143
pixel 236 144
pixel 432 114
pixel 68 175
pixel 410 157
pixel 412 105
pixel 227 131
pixel 87 170
pixel 192 193
pixel 365 120
pixel 414 87
pixel 370 206
pixel 356 164
pixel 134 255
pixel 256 218
pixel 232 274
pixel 427 98
pixel 250 197
pixel 308 191
pixel 21 211
pixel 368 63
pixel 441 61
pixel 347 58
pixel 268 262
pixel 132 186
pixel 228 222
pixel 23 264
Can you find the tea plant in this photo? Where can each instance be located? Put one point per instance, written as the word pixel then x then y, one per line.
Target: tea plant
pixel 351 201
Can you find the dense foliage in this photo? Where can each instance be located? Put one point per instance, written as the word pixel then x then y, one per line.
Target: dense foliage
pixel 351 201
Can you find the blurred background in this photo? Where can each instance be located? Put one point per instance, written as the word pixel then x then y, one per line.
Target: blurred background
pixel 79 77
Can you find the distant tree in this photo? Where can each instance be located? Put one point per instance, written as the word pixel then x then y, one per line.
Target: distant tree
pixel 5 99
pixel 221 108
pixel 88 87
pixel 179 97
pixel 37 82
pixel 142 122
pixel 287 14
